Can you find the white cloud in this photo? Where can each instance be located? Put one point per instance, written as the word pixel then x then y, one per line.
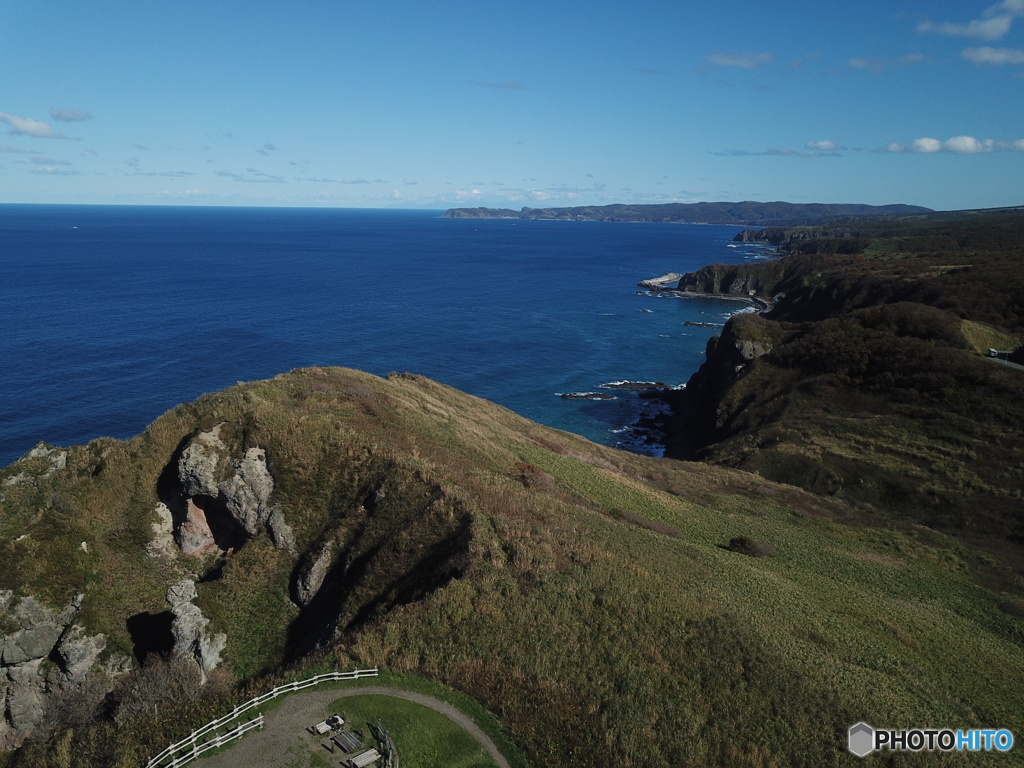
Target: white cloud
pixel 959 145
pixel 744 60
pixel 997 56
pixel 26 126
pixel 70 115
pixel 996 23
pixel 968 145
pixel 926 145
pixel 822 146
pixel 989 29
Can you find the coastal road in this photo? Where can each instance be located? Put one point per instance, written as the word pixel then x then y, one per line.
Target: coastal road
pixel 284 737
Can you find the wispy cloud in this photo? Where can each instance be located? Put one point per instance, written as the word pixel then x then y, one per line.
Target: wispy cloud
pixel 508 85
pixel 959 145
pixel 321 180
pixel 70 115
pixel 252 175
pixel 743 60
pixel 50 170
pixel 812 149
pixel 26 126
pixel 823 146
pixel 166 174
pixel 49 161
pixel 988 29
pixel 878 64
pixel 996 56
pixel 266 149
pixel 994 25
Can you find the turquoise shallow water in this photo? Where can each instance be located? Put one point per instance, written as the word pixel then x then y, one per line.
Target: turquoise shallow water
pixel 112 315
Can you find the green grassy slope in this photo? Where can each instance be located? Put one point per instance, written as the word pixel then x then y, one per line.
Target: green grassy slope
pixel 585 596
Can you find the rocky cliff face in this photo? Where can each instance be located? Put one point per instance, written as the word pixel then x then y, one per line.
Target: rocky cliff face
pixel 730 280
pixel 42 652
pixel 214 500
pixel 698 416
pixel 218 502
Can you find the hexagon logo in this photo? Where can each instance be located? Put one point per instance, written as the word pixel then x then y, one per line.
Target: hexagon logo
pixel 861 739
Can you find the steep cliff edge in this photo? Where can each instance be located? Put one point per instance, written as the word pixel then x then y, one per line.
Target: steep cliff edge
pixel 866 379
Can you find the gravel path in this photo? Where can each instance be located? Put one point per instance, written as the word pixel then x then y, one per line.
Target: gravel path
pixel 284 737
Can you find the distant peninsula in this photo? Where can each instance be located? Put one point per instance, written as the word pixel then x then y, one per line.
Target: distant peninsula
pixel 746 214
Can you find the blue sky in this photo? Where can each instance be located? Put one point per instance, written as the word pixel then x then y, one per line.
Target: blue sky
pixel 413 104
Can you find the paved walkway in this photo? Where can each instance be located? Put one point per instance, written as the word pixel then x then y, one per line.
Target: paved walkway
pixel 284 736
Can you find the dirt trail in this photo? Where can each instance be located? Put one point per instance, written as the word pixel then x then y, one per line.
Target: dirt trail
pixel 284 737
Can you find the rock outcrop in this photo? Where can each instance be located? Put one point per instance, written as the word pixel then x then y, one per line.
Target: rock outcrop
pixel 311 578
pixel 40 634
pixel 191 640
pixel 219 502
pixel 41 462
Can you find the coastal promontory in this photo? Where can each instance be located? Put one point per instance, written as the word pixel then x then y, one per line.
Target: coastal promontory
pixel 747 213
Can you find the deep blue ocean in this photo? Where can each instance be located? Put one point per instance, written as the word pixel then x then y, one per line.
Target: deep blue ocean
pixel 112 315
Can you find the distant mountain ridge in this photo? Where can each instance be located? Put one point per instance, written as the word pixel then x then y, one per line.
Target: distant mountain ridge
pixel 746 213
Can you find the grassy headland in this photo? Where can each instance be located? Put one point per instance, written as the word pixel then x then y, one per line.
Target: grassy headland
pixel 589 598
pixel 867 380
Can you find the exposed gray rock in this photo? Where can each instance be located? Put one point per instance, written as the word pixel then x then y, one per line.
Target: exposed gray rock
pixel 54 460
pixel 309 580
pixel 17 479
pixel 39 629
pixel 197 467
pixel 182 592
pixel 750 350
pixel 247 492
pixel 25 698
pixel 30 644
pixel 40 632
pixel 79 652
pixel 161 546
pixel 280 532
pixel 188 626
pixel 57 458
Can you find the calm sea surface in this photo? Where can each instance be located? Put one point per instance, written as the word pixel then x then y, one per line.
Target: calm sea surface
pixel 112 315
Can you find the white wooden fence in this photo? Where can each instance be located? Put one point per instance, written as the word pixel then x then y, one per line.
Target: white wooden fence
pixel 190 747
